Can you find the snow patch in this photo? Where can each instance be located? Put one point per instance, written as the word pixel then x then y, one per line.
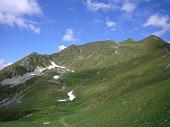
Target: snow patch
pixel 71 96
pixel 62 100
pixel 54 65
pixel 56 77
pixel 37 72
pixel 21 79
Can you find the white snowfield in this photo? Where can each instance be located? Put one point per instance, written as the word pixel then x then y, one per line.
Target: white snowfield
pixel 62 100
pixel 53 65
pixel 56 77
pixel 37 72
pixel 71 97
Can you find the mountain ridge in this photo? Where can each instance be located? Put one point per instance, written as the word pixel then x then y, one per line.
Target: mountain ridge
pixel 113 84
pixel 76 49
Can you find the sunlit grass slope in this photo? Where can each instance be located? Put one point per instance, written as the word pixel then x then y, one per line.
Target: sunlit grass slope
pixel 124 84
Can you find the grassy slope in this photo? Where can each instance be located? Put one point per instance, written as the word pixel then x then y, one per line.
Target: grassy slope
pixel 130 88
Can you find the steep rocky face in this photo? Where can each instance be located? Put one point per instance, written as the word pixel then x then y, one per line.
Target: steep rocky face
pixel 33 60
pixel 27 64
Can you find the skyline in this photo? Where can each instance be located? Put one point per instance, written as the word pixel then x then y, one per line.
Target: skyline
pixel 46 27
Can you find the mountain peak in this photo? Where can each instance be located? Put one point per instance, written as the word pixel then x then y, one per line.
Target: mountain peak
pixel 153 40
pixel 128 41
pixel 33 54
pixel 153 37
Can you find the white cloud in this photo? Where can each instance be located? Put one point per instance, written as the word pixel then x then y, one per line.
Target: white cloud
pixel 95 6
pixel 158 21
pixel 128 7
pixel 14 13
pixel 61 47
pixel 110 24
pixel 69 36
pixel 3 63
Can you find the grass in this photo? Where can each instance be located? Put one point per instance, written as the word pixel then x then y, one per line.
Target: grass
pixel 130 89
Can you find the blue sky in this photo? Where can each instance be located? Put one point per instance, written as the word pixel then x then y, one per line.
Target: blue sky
pixel 47 26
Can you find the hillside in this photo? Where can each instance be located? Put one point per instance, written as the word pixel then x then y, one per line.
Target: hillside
pixel 99 84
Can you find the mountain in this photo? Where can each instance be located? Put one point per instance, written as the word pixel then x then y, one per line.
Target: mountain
pixel 27 64
pixel 98 84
